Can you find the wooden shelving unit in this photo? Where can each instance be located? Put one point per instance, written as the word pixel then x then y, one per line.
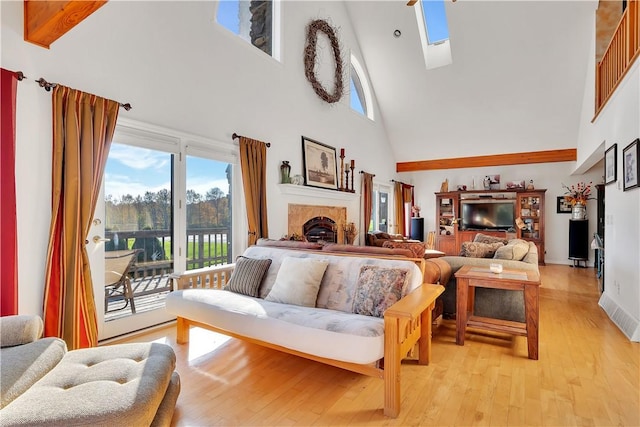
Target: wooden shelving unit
pixel 529 207
pixel 447 207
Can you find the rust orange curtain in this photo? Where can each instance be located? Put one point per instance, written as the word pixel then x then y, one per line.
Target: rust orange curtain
pixel 8 219
pixel 398 207
pixel 402 194
pixel 253 161
pixel 367 201
pixel 83 126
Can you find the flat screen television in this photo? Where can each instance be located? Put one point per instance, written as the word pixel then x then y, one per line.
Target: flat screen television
pixel 488 214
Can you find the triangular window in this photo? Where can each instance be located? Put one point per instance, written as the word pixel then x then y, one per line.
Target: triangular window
pixel 257 24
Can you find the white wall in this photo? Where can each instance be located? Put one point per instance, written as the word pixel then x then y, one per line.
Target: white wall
pixel 549 176
pixel 180 70
pixel 618 123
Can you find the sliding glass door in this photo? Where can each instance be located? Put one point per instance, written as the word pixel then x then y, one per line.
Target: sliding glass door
pixel 165 207
pixel 138 242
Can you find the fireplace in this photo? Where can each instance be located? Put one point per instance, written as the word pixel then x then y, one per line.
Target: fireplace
pixel 301 216
pixel 320 229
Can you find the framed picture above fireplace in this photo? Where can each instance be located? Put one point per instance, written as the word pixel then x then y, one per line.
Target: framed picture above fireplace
pixel 320 165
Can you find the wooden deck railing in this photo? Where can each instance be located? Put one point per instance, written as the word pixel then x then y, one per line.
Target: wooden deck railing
pixel 621 53
pixel 205 246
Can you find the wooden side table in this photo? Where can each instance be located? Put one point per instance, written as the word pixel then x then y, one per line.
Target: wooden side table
pixel 470 277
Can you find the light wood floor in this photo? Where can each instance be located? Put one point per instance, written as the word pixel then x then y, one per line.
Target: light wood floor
pixel 588 375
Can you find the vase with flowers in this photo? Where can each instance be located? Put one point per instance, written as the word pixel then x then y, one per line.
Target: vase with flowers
pixel 578 195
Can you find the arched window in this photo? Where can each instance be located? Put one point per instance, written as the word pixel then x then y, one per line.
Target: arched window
pixel 360 93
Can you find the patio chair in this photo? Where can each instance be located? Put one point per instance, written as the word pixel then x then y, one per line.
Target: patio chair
pixel 116 278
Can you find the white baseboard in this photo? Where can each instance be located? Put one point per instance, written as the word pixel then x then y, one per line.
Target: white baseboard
pixel 565 261
pixel 623 320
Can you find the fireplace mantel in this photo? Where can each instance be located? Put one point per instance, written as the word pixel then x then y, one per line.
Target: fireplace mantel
pixel 303 190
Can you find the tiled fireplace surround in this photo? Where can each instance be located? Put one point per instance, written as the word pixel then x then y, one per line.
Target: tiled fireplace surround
pixel 298 215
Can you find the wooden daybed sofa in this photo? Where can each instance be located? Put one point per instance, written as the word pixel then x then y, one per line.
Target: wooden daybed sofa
pixel 327 329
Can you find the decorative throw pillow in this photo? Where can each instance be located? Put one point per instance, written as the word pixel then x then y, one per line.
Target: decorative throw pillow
pixel 479 250
pixel 516 250
pixel 247 276
pixel 298 281
pixel 483 238
pixel 416 248
pixel 378 288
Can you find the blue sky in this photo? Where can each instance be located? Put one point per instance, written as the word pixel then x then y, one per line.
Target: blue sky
pixel 134 170
pixel 227 15
pixel 436 20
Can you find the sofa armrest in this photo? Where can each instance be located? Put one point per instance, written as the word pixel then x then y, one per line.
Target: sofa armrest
pixel 415 303
pixel 214 277
pixel 406 323
pixel 20 329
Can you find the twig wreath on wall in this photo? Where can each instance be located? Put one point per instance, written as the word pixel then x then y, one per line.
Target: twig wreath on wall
pixel 310 52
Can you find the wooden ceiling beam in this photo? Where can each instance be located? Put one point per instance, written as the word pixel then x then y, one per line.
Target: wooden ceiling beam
pixel 549 156
pixel 47 21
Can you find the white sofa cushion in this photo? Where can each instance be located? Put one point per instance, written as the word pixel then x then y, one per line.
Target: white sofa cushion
pixel 325 333
pixel 298 281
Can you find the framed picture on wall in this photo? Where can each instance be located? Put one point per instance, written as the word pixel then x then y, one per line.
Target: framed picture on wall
pixel 611 164
pixel 630 168
pixel 563 206
pixel 320 165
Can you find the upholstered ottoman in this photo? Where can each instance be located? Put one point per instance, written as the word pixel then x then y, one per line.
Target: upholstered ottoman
pixel 125 384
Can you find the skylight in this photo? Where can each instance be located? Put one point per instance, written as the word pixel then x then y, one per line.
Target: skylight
pixel 434 33
pixel 435 20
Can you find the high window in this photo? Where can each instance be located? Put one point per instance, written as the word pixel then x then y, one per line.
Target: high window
pixel 255 21
pixel 359 92
pixel 434 32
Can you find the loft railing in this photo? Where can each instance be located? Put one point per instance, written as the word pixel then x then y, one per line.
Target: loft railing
pixel 621 53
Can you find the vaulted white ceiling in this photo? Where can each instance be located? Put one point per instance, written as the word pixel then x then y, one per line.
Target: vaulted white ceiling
pixel 516 84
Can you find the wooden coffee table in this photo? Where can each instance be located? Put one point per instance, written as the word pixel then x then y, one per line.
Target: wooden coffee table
pixel 470 277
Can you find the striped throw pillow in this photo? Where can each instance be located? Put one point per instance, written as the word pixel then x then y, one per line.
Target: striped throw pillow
pixel 247 276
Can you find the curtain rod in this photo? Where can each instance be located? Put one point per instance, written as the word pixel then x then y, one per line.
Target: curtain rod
pixel 236 136
pixel 372 174
pixel 47 86
pixel 408 185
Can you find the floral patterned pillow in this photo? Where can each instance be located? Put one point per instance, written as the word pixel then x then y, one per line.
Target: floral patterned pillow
pixel 378 288
pixel 479 250
pixel 483 238
pixel 416 248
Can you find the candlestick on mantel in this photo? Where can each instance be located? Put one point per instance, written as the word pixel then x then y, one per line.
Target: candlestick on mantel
pixel 342 170
pixel 353 165
pixel 346 171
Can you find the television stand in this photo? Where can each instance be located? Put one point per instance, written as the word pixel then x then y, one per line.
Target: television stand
pixel 529 208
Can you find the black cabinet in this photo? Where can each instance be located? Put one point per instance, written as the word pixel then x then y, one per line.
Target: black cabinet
pixel 417 228
pixel 579 241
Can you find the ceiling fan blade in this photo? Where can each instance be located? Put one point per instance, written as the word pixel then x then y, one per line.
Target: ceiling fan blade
pixel 411 2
